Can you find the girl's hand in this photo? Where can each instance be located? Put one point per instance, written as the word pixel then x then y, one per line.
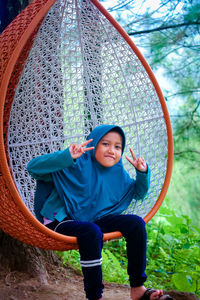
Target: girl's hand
pixel 77 150
pixel 138 163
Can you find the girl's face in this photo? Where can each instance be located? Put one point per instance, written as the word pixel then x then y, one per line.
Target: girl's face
pixel 109 149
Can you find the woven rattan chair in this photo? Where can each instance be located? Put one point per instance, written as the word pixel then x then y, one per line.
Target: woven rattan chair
pixel 66 67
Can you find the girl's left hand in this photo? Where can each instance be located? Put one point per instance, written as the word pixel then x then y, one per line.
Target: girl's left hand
pixel 138 163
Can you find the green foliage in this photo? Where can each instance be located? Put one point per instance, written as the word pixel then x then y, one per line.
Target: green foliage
pixel 71 259
pixel 173 254
pixel 175 50
pixel 193 13
pixel 184 189
pixel 174 251
pixel 112 267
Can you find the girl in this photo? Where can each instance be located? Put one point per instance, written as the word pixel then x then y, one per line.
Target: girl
pixel 82 192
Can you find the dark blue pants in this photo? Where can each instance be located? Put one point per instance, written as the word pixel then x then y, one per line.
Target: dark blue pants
pixel 90 240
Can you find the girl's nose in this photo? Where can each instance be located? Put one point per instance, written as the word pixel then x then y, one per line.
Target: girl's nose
pixel 110 150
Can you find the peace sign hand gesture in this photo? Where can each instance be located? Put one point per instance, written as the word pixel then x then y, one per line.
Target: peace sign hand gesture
pixel 77 150
pixel 138 163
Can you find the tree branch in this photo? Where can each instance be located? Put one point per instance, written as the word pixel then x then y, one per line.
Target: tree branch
pixel 163 28
pixel 120 5
pixel 184 93
pixel 186 151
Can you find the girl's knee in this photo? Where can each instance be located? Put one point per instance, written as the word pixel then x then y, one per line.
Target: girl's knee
pixel 91 232
pixel 136 223
pixel 90 242
pixel 140 221
pixel 95 232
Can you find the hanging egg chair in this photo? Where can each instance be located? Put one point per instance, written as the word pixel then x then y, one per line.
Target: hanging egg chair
pixel 66 67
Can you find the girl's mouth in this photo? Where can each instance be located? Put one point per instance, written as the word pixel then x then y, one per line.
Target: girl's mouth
pixel 110 156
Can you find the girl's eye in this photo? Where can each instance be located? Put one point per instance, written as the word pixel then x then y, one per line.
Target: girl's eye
pixel 105 144
pixel 118 147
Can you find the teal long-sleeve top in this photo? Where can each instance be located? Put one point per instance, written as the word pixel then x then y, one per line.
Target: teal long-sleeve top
pixel 49 167
pixel 41 169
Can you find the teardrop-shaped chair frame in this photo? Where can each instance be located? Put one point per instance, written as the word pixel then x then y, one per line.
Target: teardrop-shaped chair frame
pixel 16 41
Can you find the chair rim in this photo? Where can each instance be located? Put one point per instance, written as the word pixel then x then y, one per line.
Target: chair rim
pixel 4 85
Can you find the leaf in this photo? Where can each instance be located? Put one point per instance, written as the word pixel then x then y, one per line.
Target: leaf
pixel 184 282
pixel 186 246
pixel 184 229
pixel 198 268
pixel 196 229
pixel 163 253
pixel 189 278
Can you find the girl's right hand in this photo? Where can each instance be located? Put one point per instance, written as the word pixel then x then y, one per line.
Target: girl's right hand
pixel 77 150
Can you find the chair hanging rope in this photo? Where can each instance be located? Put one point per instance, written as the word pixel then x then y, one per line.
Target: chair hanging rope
pixel 67 66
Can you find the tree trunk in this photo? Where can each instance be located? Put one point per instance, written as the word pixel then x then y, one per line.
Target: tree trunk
pixel 17 256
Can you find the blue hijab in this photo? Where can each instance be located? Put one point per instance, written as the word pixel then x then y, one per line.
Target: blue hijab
pixel 90 190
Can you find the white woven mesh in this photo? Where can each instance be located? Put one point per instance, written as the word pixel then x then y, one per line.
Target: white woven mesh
pixel 81 73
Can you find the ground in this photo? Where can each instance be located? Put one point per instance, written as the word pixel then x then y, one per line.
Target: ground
pixel 60 284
